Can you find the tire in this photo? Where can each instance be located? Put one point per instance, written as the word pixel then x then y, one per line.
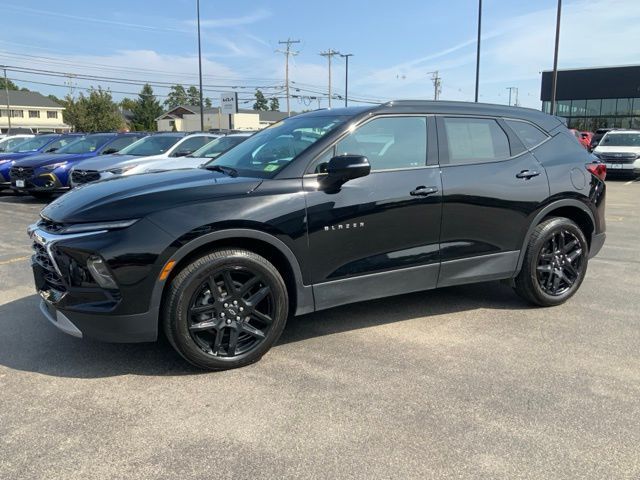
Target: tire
pixel 201 320
pixel 555 263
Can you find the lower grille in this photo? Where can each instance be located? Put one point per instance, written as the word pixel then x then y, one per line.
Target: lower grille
pixel 21 173
pixel 50 279
pixel 84 176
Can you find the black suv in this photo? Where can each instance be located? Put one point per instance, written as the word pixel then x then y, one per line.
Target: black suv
pixel 322 209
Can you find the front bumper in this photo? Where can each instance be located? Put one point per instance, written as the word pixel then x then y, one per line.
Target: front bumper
pixel 44 182
pixel 620 169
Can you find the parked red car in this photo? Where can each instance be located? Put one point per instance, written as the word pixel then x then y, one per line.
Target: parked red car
pixel 584 138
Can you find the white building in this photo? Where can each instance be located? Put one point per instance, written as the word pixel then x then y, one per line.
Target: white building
pixel 186 118
pixel 30 110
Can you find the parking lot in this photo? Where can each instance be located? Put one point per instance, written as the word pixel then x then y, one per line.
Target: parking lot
pixel 459 382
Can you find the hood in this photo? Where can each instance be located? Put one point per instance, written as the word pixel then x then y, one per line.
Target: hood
pixel 168 164
pixel 136 196
pixel 602 149
pixel 49 158
pixel 17 155
pixel 104 162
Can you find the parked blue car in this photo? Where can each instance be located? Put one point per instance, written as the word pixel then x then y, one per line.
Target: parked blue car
pixel 33 146
pixel 43 175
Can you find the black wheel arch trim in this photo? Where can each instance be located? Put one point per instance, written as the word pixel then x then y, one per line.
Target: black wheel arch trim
pixel 304 294
pixel 543 213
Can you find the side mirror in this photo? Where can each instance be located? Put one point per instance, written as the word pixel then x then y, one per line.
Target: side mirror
pixel 181 153
pixel 51 150
pixel 343 168
pixel 109 151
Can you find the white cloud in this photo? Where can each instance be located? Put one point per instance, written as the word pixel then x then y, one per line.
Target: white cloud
pixel 258 15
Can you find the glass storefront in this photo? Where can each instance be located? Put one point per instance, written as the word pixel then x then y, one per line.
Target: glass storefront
pixel 598 113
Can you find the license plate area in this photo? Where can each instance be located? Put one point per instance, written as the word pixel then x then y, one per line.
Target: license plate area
pixel 39 276
pixel 20 183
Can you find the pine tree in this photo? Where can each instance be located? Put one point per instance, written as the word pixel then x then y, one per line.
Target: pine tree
pixel 261 101
pixel 274 104
pixel 177 96
pixel 146 109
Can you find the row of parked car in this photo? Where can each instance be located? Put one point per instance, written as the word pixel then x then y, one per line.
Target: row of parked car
pixel 43 165
pixel 618 148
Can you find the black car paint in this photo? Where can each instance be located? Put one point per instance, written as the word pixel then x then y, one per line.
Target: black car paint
pixel 473 227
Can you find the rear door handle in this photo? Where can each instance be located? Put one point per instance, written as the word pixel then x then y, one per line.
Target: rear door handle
pixel 423 191
pixel 527 174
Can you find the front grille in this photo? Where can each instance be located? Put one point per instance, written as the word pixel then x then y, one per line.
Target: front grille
pixel 618 157
pixel 50 226
pixel 21 173
pixel 85 176
pixel 51 279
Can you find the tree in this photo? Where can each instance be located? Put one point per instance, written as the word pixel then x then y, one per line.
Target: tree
pixel 274 104
pixel 146 109
pixel 10 84
pixel 193 96
pixel 95 112
pixel 128 104
pixel 261 101
pixel 56 99
pixel 177 96
pixel 207 102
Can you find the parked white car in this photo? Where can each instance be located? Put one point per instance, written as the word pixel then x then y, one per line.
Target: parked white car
pixel 208 152
pixel 620 151
pixel 161 146
pixel 10 141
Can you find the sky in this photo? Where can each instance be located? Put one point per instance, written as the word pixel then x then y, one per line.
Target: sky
pixel 395 46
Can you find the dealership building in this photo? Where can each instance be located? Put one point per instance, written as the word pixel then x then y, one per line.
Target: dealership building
pixel 593 98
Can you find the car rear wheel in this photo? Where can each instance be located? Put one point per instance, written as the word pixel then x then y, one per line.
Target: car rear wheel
pixel 226 309
pixel 555 263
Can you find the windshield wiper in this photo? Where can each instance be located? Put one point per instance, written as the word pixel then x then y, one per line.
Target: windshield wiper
pixel 232 172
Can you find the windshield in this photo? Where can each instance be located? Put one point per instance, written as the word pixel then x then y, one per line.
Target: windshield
pixel 34 143
pixel 268 151
pixel 621 140
pixel 153 145
pixel 11 143
pixel 87 144
pixel 217 147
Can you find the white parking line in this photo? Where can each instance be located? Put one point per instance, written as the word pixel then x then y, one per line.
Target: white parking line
pixel 630 182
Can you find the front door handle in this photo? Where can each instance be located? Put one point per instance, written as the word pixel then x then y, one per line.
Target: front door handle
pixel 527 174
pixel 423 191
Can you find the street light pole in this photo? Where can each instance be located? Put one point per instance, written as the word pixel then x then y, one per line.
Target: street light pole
pixel 478 48
pixel 200 69
pixel 346 77
pixel 554 78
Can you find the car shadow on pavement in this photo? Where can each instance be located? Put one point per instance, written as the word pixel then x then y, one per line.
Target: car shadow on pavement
pixel 29 343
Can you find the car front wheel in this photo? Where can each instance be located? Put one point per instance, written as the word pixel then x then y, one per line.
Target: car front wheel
pixel 225 309
pixel 555 263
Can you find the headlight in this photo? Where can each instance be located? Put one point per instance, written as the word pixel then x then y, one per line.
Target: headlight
pixel 121 170
pixel 93 227
pixel 2 162
pixel 53 166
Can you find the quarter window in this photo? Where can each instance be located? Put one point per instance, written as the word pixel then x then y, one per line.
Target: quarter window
pixel 389 143
pixel 529 135
pixel 475 140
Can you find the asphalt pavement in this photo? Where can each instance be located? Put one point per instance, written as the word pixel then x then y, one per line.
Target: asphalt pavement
pixel 463 382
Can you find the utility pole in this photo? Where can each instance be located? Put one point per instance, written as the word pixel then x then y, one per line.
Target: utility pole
pixel 329 54
pixel 346 77
pixel 287 53
pixel 554 78
pixel 513 90
pixel 200 69
pixel 6 91
pixel 437 84
pixel 478 49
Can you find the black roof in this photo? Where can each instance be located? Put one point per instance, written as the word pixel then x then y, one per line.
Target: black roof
pixel 446 108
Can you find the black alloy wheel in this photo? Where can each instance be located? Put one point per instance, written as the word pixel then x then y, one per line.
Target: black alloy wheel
pixel 555 263
pixel 231 312
pixel 225 309
pixel 559 263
